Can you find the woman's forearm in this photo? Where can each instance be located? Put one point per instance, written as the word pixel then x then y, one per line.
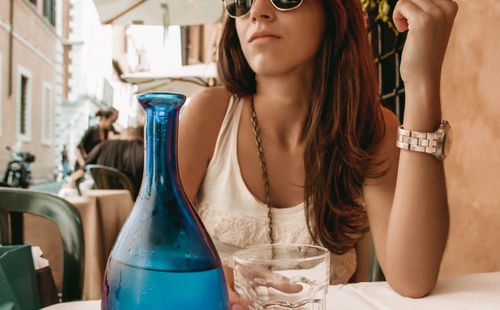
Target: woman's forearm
pixel 417 228
pixel 79 157
pixel 418 225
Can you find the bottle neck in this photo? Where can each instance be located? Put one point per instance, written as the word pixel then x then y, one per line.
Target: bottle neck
pixel 160 167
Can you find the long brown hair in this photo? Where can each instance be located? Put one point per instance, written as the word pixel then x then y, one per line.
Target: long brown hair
pixel 343 126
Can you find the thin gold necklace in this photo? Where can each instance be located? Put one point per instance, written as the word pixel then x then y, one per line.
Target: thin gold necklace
pixel 256 131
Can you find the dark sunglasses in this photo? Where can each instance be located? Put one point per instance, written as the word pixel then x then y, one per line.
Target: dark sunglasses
pixel 239 8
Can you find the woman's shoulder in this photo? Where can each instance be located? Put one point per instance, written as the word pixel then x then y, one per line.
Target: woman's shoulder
pixel 89 130
pixel 201 120
pixel 391 124
pixel 199 125
pixel 92 131
pixel 93 128
pixel 206 110
pixel 89 133
pixel 215 99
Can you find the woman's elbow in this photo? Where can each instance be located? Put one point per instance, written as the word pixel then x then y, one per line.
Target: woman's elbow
pixel 413 289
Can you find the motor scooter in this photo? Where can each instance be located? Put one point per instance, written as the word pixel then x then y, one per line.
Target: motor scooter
pixel 18 172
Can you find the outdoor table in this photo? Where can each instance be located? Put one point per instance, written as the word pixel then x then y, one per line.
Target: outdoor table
pixel 76 305
pixel 469 291
pixel 103 213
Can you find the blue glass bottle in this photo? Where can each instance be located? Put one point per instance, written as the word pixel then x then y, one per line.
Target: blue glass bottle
pixel 163 257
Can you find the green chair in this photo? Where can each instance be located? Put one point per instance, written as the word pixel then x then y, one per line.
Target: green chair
pixel 375 272
pixel 111 178
pixel 15 202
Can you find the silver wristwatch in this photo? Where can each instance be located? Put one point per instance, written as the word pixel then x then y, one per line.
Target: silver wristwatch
pixel 437 143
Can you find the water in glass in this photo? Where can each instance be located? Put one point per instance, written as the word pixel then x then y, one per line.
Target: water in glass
pixel 282 276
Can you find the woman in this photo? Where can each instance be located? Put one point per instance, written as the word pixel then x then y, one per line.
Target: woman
pixel 96 134
pixel 298 126
pixel 126 154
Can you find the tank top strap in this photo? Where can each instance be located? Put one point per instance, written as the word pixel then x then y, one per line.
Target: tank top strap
pixel 227 137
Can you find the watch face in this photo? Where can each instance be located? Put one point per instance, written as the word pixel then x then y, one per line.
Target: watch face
pixel 444 144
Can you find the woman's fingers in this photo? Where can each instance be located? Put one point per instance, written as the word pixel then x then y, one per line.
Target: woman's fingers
pixel 423 12
pixel 428 6
pixel 275 280
pixel 449 8
pixel 234 300
pixel 265 277
pixel 429 23
pixel 229 276
pixel 284 285
pixel 403 13
pixel 440 10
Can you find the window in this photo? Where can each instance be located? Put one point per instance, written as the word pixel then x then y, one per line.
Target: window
pixel 33 1
pixel 24 104
pixel 46 113
pixel 49 11
pixel 107 94
pixel 193 44
pixel 387 49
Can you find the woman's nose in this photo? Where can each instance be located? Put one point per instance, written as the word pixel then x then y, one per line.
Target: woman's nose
pixel 262 10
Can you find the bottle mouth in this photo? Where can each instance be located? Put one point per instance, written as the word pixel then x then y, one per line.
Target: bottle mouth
pixel 170 101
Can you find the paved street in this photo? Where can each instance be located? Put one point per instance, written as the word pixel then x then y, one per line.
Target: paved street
pixel 46 186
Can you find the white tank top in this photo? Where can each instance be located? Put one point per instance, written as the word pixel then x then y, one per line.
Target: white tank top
pixel 235 219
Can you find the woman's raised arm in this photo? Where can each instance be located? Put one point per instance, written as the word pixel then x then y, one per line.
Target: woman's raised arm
pixel 407 207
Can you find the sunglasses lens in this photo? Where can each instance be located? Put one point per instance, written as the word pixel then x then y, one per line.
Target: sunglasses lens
pixel 286 4
pixel 238 7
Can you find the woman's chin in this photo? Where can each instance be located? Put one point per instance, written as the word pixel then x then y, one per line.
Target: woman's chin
pixel 268 68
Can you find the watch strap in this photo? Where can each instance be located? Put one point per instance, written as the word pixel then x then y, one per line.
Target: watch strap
pixel 416 141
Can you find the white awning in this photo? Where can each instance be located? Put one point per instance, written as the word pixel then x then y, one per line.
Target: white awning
pixel 159 12
pixel 185 80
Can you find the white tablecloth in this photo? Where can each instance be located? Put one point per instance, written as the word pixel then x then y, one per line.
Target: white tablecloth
pixel 76 305
pixel 472 291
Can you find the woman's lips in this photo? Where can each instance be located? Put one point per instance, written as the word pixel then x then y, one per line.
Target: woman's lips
pixel 263 36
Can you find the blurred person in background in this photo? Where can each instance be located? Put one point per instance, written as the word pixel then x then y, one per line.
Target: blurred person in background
pixel 65 162
pixel 125 154
pixel 96 134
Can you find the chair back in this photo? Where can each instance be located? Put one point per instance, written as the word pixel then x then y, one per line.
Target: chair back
pixel 15 202
pixel 111 178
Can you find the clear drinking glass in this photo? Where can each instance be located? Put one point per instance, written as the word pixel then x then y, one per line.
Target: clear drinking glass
pixel 282 276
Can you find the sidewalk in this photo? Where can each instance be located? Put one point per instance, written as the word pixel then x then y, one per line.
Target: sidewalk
pixel 44 185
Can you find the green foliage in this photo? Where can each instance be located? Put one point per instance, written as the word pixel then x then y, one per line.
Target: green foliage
pixel 378 11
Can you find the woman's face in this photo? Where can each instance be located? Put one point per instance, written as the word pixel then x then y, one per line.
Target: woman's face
pixel 276 42
pixel 108 122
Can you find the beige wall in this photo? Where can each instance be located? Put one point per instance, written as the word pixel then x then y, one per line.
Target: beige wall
pixel 34 49
pixel 120 47
pixel 471 101
pixel 4 100
pixel 66 19
pixel 4 10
